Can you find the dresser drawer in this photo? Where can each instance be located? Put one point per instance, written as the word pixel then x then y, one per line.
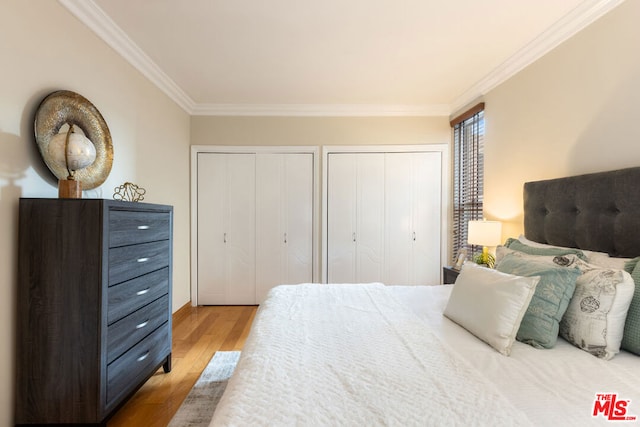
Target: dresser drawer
pixel 126 332
pixel 131 227
pixel 128 262
pixel 127 297
pixel 128 370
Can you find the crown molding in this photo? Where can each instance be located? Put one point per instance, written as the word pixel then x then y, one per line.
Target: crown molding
pixel 89 13
pixel 99 22
pixel 318 110
pixel 579 18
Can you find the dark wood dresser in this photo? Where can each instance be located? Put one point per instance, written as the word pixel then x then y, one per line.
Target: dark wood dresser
pixel 94 306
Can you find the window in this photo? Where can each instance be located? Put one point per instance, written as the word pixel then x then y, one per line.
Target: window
pixel 468 174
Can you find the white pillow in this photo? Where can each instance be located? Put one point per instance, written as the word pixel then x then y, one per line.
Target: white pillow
pixel 490 304
pixel 595 318
pixel 605 261
pixel 600 256
pixel 600 259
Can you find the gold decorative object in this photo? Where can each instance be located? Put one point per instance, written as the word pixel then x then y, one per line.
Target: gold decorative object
pixel 64 107
pixel 129 192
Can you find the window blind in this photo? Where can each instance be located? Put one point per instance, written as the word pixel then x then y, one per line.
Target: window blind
pixel 468 175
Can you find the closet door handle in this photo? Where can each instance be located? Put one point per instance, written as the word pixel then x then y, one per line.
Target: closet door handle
pixel 285 237
pixel 224 238
pixel 353 236
pixel 414 236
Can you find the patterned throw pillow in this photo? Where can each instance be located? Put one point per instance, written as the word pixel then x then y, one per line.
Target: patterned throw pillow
pixel 595 318
pixel 541 322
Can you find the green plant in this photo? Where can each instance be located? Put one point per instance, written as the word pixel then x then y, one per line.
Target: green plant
pixel 485 258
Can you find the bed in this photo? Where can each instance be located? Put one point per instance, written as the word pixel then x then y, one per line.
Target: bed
pixel 369 354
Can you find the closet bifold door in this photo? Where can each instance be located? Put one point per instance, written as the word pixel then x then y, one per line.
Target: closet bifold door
pixel 284 220
pixel 226 228
pixel 412 218
pixel 355 217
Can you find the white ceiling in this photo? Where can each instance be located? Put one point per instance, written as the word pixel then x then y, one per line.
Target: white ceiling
pixel 332 57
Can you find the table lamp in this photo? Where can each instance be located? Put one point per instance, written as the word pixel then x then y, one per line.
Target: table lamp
pixel 485 234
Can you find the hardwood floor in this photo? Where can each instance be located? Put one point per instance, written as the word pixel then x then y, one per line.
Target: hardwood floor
pixel 198 332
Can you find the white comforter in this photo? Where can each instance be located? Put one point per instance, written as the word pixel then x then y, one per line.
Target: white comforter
pixel 555 387
pixel 354 355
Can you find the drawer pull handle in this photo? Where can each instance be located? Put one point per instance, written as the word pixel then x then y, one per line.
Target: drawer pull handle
pixel 142 292
pixel 143 259
pixel 144 356
pixel 143 227
pixel 142 325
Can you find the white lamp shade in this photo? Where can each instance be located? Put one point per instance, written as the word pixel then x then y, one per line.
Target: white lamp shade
pixel 80 152
pixel 484 233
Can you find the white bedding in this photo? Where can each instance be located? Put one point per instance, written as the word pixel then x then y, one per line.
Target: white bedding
pixel 552 387
pixel 376 355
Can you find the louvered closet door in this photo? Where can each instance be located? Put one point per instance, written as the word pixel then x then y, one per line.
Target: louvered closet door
pixel 226 228
pixel 413 218
pixel 284 218
pixel 355 217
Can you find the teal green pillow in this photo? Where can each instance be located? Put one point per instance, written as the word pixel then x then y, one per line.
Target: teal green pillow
pixel 541 322
pixel 631 336
pixel 630 265
pixel 517 245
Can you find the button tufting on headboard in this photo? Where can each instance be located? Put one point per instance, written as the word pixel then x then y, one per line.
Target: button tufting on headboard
pixel 598 212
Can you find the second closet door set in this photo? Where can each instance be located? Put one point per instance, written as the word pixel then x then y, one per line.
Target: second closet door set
pixel 384 217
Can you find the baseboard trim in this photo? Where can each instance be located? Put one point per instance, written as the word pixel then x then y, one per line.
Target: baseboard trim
pixel 182 311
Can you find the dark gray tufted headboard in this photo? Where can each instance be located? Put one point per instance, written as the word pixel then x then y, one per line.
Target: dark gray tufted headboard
pixel 598 212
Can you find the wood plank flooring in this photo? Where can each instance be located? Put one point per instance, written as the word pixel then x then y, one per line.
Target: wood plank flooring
pixel 198 332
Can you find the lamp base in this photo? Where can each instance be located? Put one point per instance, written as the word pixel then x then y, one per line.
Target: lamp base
pixel 69 189
pixel 485 258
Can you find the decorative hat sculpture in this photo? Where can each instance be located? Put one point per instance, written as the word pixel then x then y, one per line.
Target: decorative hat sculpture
pixel 80 160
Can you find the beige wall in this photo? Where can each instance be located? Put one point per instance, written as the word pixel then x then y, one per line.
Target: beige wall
pixel 573 111
pixel 319 130
pixel 44 49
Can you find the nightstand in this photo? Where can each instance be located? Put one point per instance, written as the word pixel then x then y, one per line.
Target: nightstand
pixel 449 275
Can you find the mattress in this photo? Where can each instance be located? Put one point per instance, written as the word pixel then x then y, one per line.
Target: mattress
pixel 385 355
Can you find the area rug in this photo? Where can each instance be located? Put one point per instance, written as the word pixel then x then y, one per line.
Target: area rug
pixel 197 408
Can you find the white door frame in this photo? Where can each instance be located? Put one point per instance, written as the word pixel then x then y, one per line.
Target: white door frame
pixel 197 149
pixel 445 179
